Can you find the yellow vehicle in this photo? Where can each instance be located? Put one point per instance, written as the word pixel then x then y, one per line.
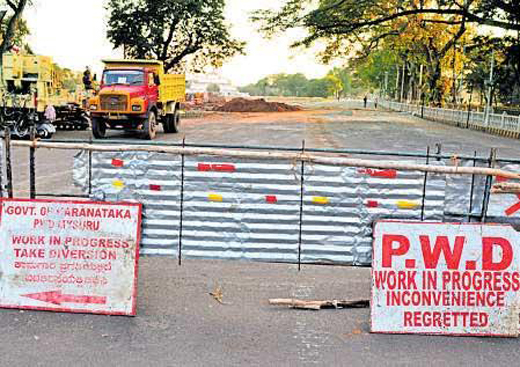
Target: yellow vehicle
pixel 32 84
pixel 137 95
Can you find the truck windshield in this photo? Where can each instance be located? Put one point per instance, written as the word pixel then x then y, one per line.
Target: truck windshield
pixel 126 77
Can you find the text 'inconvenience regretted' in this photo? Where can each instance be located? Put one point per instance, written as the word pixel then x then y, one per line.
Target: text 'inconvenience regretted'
pixel 444 278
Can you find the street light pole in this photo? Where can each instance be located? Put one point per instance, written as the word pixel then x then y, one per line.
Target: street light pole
pixel 386 84
pixel 488 104
pixel 402 83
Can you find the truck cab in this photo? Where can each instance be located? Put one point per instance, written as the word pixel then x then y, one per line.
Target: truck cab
pixel 136 95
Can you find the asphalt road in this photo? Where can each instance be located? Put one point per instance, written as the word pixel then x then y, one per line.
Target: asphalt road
pixel 179 323
pixel 337 128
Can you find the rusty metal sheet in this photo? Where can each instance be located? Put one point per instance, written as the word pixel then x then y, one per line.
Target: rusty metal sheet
pixel 69 256
pixel 442 278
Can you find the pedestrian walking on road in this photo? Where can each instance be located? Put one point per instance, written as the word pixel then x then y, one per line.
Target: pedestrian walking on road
pixel 365 100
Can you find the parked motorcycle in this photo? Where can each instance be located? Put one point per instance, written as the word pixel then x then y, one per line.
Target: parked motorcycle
pixel 21 120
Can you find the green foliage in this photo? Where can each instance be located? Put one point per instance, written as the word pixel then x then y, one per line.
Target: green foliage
pixel 384 36
pixel 213 88
pixel 172 31
pixel 337 83
pixel 506 71
pixel 13 29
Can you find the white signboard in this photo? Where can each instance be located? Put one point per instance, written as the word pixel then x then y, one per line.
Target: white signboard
pixel 69 256
pixel 439 278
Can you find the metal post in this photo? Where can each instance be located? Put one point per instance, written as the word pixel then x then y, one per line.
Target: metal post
pixel 438 148
pixel 90 169
pixel 302 181
pixel 8 166
pixel 386 84
pixel 425 183
pixel 488 104
pixel 32 166
pixel 397 83
pixel 421 71
pixel 487 188
pixel 469 108
pixel 472 190
pixel 181 205
pixel 402 83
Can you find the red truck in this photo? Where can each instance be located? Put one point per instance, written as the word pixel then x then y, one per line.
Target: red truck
pixel 137 95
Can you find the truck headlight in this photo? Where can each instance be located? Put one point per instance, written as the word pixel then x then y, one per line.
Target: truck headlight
pixel 136 108
pixel 93 107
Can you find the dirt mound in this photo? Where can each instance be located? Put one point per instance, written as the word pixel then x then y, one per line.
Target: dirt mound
pixel 255 105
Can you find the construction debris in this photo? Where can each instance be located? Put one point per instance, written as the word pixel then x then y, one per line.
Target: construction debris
pixel 317 305
pixel 255 105
pixel 218 295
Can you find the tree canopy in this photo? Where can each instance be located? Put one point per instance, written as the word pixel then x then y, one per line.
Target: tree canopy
pixel 354 17
pixel 172 31
pixel 421 42
pixel 337 83
pixel 13 29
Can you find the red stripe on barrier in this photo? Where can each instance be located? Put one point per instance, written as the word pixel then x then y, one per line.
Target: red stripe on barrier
pixel 117 163
pixel 513 209
pixel 502 179
pixel 372 204
pixel 271 199
pixel 223 167
pixel 155 187
pixel 206 167
pixel 386 173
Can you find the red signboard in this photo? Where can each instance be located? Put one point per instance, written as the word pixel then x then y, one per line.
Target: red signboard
pixel 69 256
pixel 442 278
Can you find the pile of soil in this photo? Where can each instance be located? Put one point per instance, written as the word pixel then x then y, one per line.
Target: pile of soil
pixel 255 105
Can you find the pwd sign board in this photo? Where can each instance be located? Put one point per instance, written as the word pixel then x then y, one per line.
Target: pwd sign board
pixel 439 278
pixel 69 256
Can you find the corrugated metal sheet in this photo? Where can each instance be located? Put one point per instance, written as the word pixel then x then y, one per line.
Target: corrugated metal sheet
pixel 250 209
pixel 152 179
pixel 241 209
pixel 341 204
pixel 458 192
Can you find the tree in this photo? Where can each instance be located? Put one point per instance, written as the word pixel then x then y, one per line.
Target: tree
pixel 13 29
pixel 345 80
pixel 295 85
pixel 426 31
pixel 213 88
pixel 333 17
pixel 503 53
pixel 172 31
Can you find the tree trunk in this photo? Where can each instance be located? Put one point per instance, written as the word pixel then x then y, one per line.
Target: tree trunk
pixel 435 76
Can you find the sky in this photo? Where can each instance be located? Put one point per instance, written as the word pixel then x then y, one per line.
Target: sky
pixel 73 32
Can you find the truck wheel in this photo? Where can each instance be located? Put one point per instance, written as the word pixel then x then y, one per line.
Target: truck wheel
pixel 99 128
pixel 150 127
pixel 171 125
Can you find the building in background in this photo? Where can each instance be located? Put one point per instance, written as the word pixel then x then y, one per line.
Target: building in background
pixel 211 82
